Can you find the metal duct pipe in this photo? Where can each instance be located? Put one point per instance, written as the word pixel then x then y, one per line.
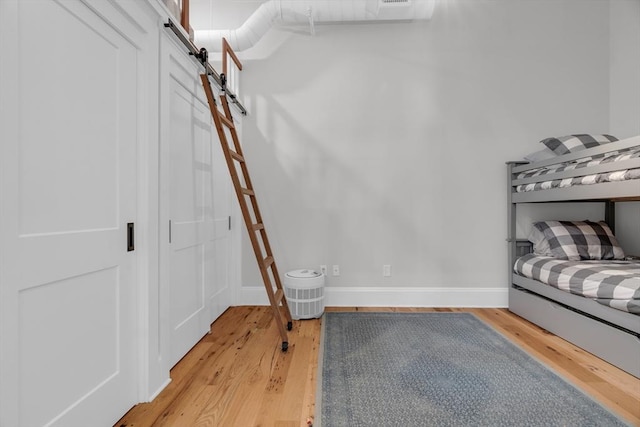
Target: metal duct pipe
pixel 310 11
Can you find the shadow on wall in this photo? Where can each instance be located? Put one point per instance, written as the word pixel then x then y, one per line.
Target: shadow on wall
pixel 319 207
pixel 386 144
pixel 328 192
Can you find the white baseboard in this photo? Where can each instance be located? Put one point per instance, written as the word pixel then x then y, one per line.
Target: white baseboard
pixel 395 297
pixel 157 392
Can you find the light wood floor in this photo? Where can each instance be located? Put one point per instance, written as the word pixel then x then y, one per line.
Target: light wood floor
pixel 238 376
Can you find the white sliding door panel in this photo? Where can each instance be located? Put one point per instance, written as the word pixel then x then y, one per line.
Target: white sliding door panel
pixel 191 270
pixel 68 190
pixel 220 297
pixel 190 222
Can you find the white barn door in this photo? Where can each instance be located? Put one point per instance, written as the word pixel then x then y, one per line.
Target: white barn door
pixel 194 270
pixel 67 191
pixel 220 293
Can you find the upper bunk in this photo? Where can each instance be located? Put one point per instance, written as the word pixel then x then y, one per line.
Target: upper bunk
pixel 607 172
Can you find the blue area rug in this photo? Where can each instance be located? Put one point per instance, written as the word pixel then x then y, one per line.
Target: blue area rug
pixel 439 369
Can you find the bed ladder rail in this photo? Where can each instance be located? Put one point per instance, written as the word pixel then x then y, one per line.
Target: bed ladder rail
pixel 244 190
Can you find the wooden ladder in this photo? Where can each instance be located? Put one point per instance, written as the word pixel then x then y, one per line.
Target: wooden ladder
pixel 244 190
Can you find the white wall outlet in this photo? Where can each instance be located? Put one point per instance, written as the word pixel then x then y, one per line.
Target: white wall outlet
pixel 386 270
pixel 336 270
pixel 323 269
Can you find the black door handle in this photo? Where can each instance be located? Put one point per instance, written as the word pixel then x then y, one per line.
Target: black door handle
pixel 130 236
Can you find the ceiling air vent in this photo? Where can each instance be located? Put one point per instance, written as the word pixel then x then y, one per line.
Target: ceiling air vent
pixel 395 9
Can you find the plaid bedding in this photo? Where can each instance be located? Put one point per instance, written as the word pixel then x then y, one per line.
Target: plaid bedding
pixel 573 143
pixel 612 283
pixel 614 156
pixel 575 240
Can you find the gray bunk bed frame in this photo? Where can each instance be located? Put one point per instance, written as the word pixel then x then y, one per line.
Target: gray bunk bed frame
pixel 611 334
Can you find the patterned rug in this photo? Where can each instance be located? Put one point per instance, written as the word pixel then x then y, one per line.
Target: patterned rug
pixel 439 369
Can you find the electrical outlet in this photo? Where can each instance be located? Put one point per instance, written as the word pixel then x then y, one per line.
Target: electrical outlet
pixel 386 270
pixel 323 269
pixel 336 270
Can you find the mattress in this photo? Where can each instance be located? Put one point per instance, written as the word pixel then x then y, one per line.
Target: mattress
pixel 613 283
pixel 587 178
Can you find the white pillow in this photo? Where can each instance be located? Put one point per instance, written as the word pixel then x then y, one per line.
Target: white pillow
pixel 538 156
pixel 540 243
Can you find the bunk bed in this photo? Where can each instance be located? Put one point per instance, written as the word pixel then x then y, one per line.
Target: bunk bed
pixel 606 171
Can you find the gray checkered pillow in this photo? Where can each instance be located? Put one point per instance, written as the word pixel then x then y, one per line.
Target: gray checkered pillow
pixel 576 240
pixel 573 143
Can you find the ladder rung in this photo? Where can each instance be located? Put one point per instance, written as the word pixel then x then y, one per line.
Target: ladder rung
pixel 257 227
pixel 268 261
pixel 236 156
pixel 228 123
pixel 248 192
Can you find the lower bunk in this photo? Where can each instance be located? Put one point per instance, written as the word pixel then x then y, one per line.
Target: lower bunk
pixel 580 286
pixel 609 333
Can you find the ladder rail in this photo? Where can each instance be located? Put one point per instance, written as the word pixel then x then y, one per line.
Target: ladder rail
pixel 228 52
pixel 245 171
pixel 277 298
pixel 254 201
pixel 237 185
pixel 265 258
pixel 201 55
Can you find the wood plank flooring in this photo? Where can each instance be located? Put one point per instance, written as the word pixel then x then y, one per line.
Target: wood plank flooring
pixel 238 376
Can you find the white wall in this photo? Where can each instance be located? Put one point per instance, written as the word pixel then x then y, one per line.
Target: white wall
pixel 385 144
pixel 625 67
pixel 625 101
